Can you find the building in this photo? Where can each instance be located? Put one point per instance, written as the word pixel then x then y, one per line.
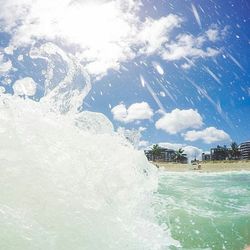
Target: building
pixel 184 159
pixel 206 157
pixel 166 155
pixel 245 150
pixel 220 153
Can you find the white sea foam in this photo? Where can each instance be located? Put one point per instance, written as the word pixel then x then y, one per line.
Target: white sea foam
pixel 68 181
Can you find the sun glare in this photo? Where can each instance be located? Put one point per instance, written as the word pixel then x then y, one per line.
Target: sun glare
pixel 93 25
pixel 100 28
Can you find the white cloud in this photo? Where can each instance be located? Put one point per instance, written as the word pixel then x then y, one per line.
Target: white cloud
pixel 212 34
pixel 119 112
pixel 179 120
pixel 106 32
pixel 143 144
pixel 208 135
pixel 188 47
pixel 174 146
pixel 137 111
pixel 25 86
pixel 155 33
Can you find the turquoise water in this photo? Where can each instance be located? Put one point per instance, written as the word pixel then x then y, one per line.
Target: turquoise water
pixel 205 211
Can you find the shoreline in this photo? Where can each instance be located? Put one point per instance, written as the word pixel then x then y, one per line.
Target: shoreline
pixel 206 167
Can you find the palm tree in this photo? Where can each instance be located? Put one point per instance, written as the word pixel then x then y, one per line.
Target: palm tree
pixel 156 151
pixel 179 155
pixel 235 150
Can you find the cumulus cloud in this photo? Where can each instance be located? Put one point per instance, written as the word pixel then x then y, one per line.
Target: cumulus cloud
pixel 106 33
pixel 143 144
pixel 25 86
pixel 214 33
pixel 169 145
pixel 155 33
pixel 137 111
pixel 179 120
pixel 208 135
pixel 188 47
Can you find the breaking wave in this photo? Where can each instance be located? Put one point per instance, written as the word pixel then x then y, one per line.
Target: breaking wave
pixel 68 181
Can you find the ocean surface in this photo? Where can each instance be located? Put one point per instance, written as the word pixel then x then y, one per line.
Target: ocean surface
pixel 205 211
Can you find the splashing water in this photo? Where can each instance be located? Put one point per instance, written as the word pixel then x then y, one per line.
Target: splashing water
pixel 66 94
pixel 68 181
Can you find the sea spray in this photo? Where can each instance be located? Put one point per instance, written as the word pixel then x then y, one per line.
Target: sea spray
pixel 70 182
pixel 62 92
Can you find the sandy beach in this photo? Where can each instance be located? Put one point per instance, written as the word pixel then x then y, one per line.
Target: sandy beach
pixel 206 166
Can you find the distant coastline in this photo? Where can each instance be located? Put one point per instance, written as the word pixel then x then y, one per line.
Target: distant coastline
pixel 209 166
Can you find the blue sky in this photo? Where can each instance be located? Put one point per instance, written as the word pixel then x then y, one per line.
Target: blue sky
pixel 178 70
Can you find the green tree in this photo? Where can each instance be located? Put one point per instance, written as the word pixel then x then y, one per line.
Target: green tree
pixel 156 151
pixel 179 155
pixel 235 150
